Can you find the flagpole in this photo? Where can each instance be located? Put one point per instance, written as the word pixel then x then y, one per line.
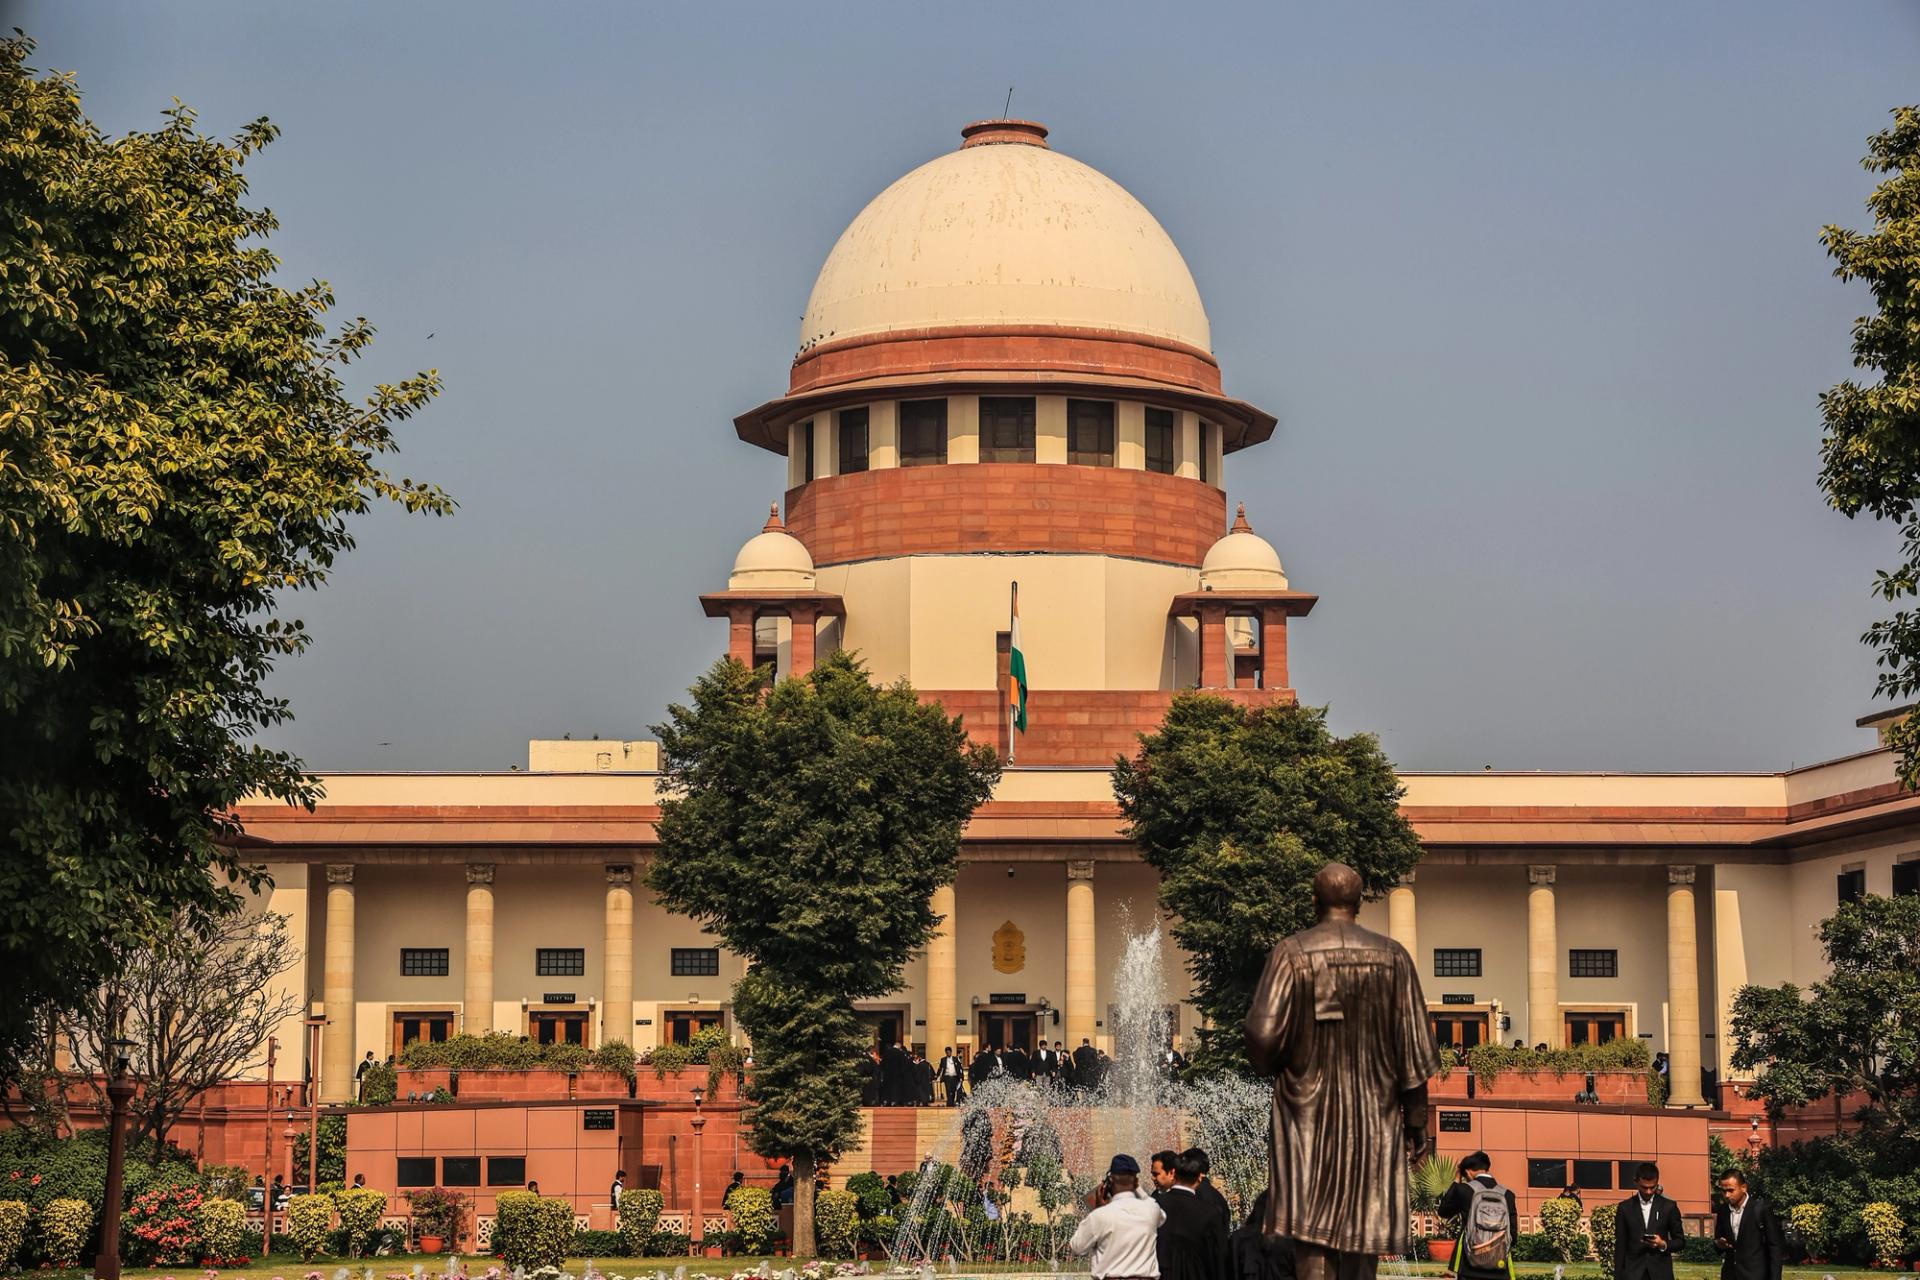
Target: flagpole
pixel 1013 687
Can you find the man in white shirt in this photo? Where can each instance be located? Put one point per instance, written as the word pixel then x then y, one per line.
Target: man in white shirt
pixel 1121 1231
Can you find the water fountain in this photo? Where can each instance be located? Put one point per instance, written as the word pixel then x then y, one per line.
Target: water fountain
pixel 1008 1181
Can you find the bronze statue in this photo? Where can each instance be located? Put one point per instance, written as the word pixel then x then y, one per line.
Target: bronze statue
pixel 1340 1023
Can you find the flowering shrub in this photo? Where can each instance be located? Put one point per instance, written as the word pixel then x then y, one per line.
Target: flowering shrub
pixel 64 1225
pixel 1560 1223
pixel 639 1215
pixel 1809 1223
pixel 439 1212
pixel 835 1215
pixel 360 1209
pixel 309 1223
pixel 532 1231
pixel 164 1225
pixel 753 1218
pixel 13 1231
pixel 1604 1225
pixel 1884 1231
pixel 223 1226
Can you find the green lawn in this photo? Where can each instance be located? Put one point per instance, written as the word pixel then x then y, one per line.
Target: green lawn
pixel 290 1267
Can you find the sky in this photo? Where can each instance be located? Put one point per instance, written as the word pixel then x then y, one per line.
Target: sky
pixel 1536 292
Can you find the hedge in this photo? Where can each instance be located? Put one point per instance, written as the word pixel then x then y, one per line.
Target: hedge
pixel 639 1216
pixel 309 1223
pixel 500 1050
pixel 13 1231
pixel 1489 1061
pixel 836 1214
pixel 532 1231
pixel 64 1226
pixel 223 1225
pixel 360 1210
pixel 753 1218
pixel 1604 1224
pixel 590 1243
pixel 1560 1223
pixel 75 1168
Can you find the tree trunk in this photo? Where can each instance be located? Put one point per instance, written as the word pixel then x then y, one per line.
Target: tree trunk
pixel 803 1242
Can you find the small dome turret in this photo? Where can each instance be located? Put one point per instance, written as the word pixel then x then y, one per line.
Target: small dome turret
pixel 1242 561
pixel 772 560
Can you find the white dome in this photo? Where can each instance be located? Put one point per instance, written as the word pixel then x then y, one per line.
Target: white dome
pixel 772 560
pixel 1242 561
pixel 1000 233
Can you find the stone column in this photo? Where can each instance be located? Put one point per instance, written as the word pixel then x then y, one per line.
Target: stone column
pixel 1213 648
pixel 1683 992
pixel 943 979
pixel 337 1046
pixel 616 987
pixel 1400 921
pixel 1273 650
pixel 476 1007
pixel 804 618
pixel 1543 960
pixel 740 634
pixel 1081 978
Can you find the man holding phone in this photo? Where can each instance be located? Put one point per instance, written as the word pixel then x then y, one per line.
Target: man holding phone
pixel 1649 1232
pixel 1747 1232
pixel 1120 1233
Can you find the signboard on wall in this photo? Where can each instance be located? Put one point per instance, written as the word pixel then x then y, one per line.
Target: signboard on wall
pixel 557 997
pixel 597 1118
pixel 1007 997
pixel 1456 1122
pixel 1456 997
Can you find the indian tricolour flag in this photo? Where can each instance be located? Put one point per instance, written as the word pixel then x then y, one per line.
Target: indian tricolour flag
pixel 1017 669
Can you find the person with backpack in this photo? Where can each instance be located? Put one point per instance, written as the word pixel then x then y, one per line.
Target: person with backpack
pixel 1489 1221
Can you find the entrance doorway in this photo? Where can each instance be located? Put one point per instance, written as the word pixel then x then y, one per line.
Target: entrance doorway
pixel 408 1027
pixel 684 1024
pixel 1008 1029
pixel 886 1026
pixel 1590 1026
pixel 1458 1031
pixel 565 1027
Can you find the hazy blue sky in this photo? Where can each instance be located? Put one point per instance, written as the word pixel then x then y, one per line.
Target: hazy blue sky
pixel 1535 291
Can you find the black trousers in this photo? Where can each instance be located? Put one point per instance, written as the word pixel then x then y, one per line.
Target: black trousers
pixel 953 1091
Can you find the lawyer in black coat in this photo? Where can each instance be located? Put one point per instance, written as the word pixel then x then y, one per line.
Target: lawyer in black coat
pixel 1193 1240
pixel 1757 1248
pixel 1649 1233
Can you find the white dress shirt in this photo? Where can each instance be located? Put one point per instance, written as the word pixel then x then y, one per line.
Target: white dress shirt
pixel 1734 1214
pixel 1121 1235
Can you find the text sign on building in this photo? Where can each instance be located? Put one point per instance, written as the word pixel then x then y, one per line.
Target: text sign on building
pixel 557 997
pixel 1007 997
pixel 597 1118
pixel 1456 1122
pixel 1456 997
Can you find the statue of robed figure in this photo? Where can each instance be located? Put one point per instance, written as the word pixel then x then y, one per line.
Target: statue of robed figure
pixel 1340 1023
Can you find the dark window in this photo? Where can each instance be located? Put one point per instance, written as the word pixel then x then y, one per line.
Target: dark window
pixel 558 1028
pixel 1628 1175
pixel 1205 461
pixel 1593 963
pixel 414 1171
pixel 683 1025
pixel 1160 441
pixel 560 962
pixel 696 962
pixel 1852 886
pixel 1593 1175
pixel 460 1171
pixel 1090 433
pixel 923 433
pixel 423 962
pixel 1006 428
pixel 853 441
pixel 506 1171
pixel 1906 878
pixel 1547 1173
pixel 1456 962
pixel 806 450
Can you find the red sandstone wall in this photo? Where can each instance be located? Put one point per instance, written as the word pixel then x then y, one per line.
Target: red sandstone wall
pixel 1077 726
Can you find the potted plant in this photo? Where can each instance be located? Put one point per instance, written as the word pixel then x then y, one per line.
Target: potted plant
pixel 1428 1182
pixel 439 1217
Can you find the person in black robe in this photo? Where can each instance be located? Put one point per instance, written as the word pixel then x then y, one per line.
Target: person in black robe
pixel 1193 1240
pixel 981 1069
pixel 922 1080
pixel 1255 1255
pixel 1086 1065
pixel 1209 1194
pixel 1017 1063
pixel 896 1075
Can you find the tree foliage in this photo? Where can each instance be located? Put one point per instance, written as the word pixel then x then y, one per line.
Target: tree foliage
pixel 1238 809
pixel 179 453
pixel 1855 1032
pixel 1871 450
pixel 807 826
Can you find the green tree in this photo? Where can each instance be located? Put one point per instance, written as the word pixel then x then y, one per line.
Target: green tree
pixel 179 454
pixel 1237 809
pixel 1871 450
pixel 807 825
pixel 1855 1032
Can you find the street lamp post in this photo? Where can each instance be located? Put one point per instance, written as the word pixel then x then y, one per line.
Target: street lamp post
pixel 119 1093
pixel 699 1152
pixel 266 1196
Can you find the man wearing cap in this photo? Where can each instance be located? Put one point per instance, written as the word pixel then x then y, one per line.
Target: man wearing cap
pixel 1121 1232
